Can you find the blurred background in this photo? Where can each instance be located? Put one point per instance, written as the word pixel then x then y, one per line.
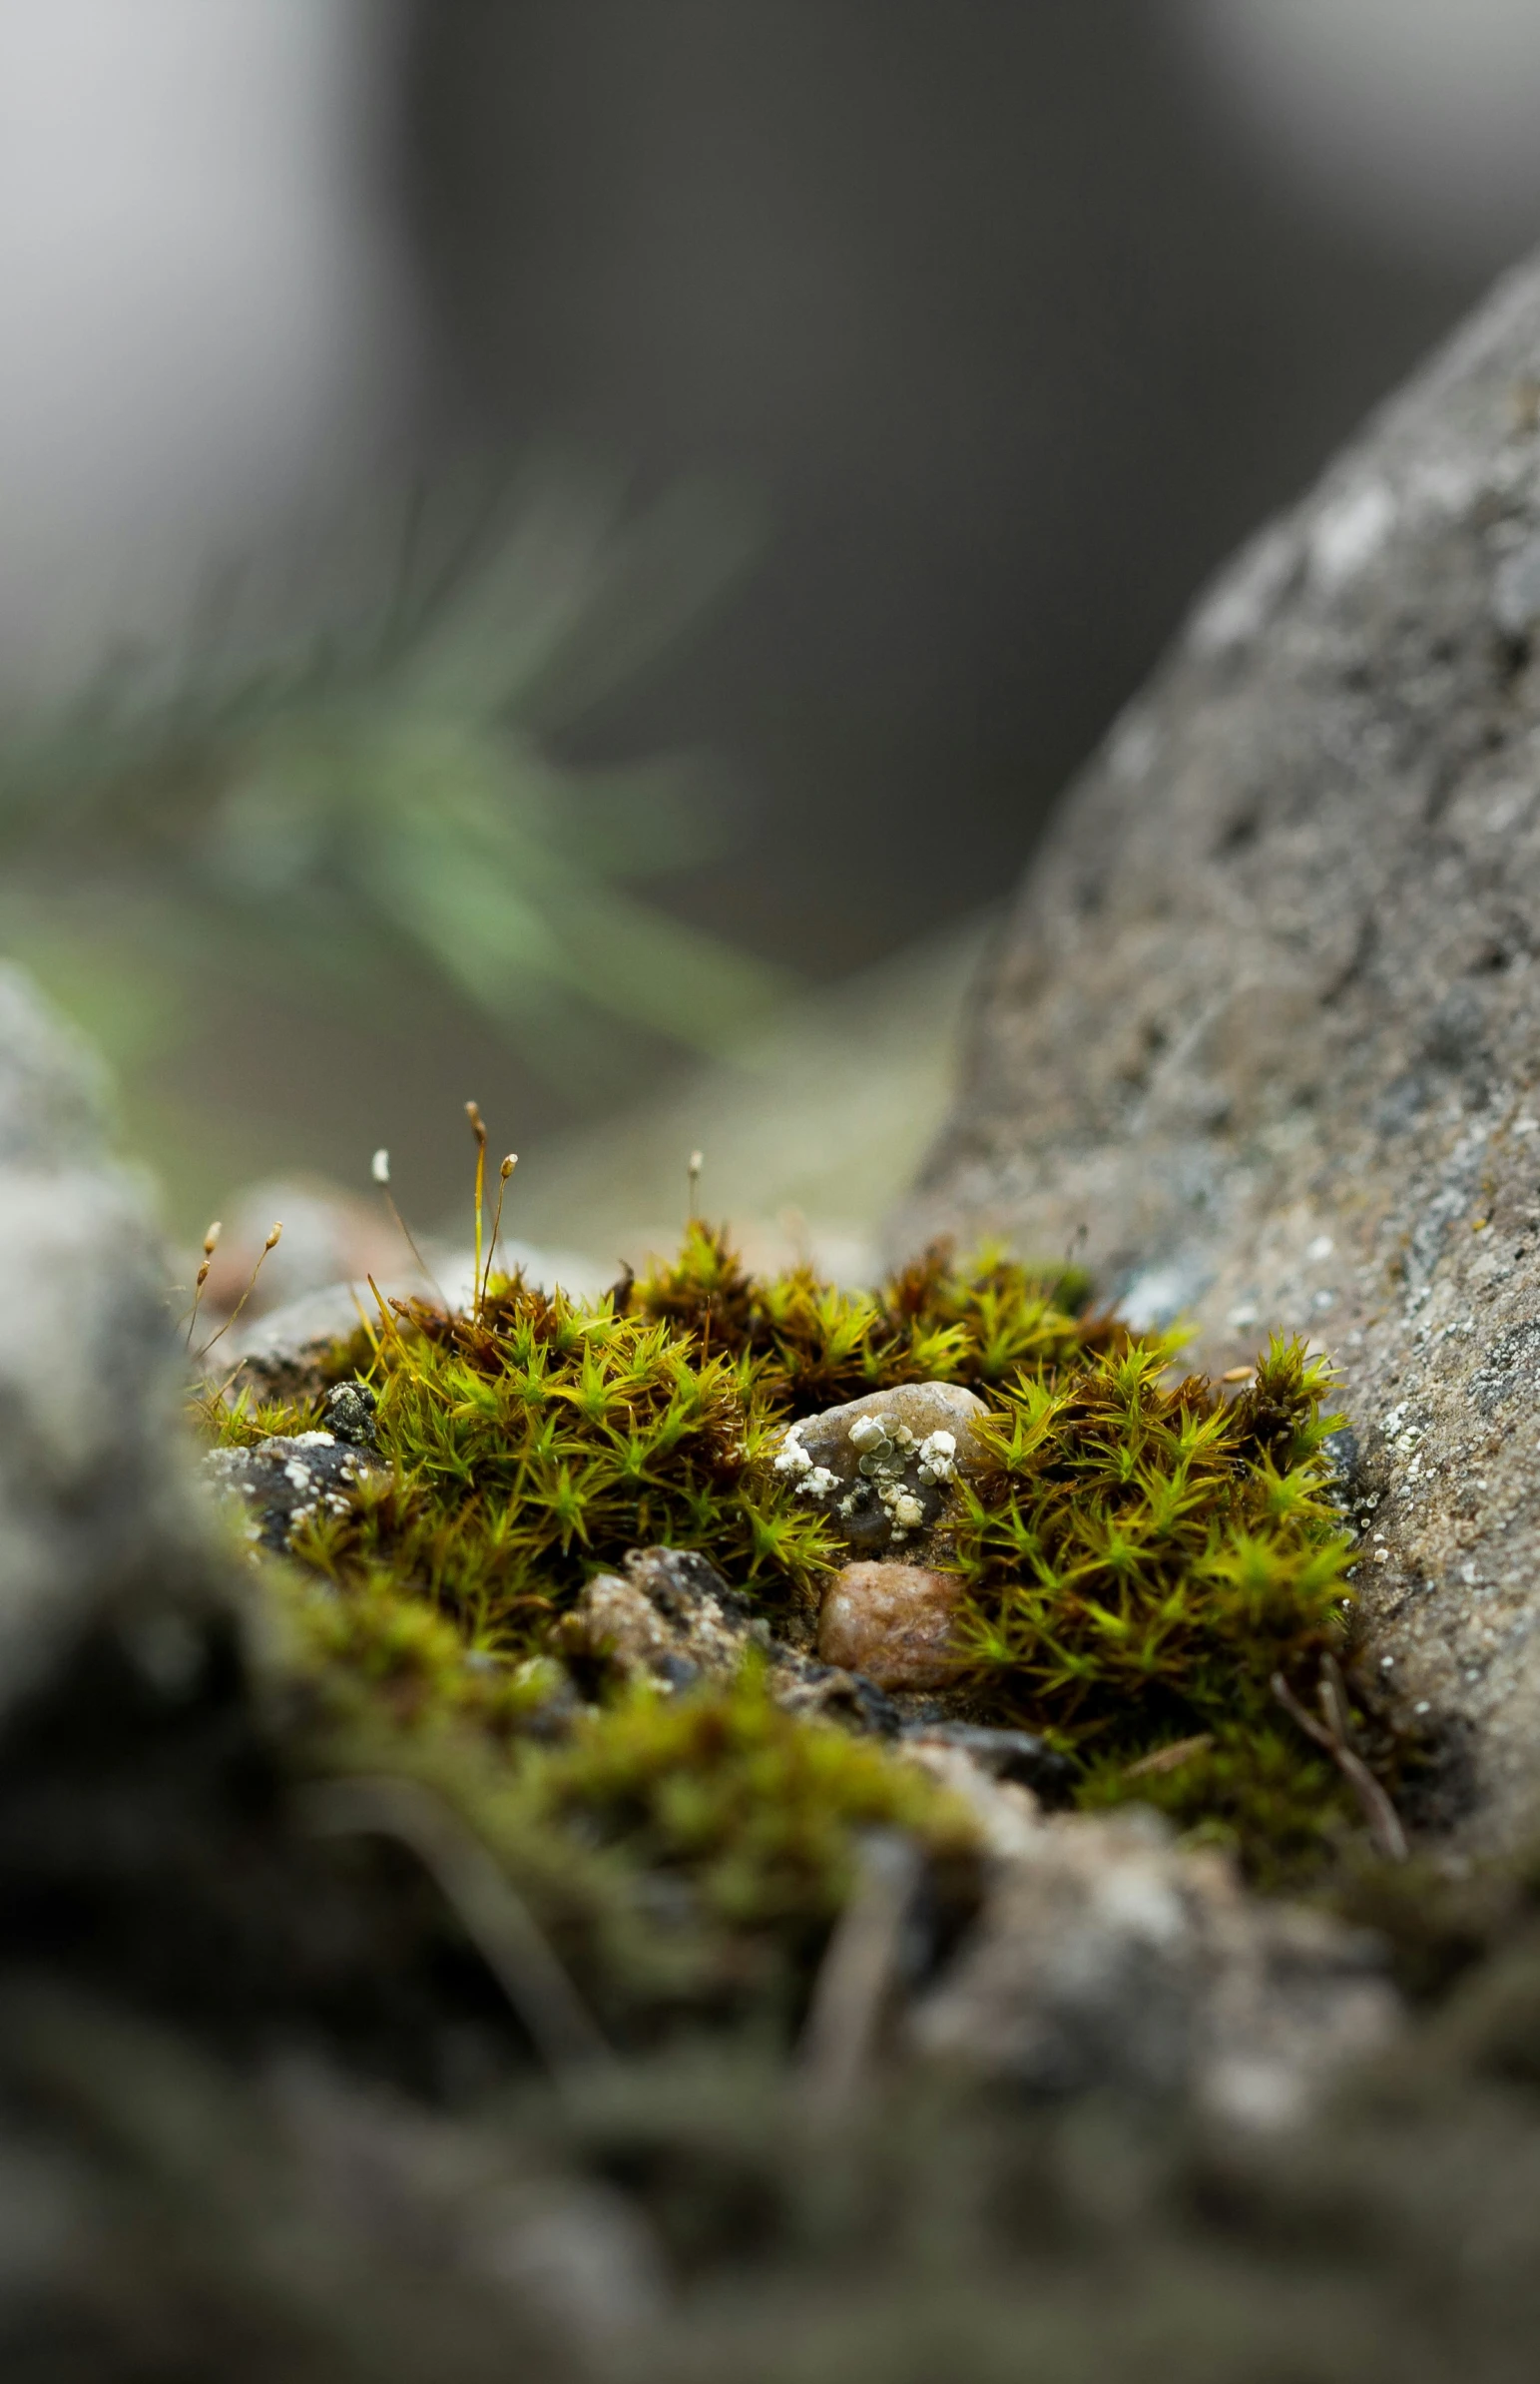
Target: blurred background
pixel 560 550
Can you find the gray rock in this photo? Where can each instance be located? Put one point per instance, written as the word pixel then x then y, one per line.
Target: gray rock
pixel 92 1504
pixel 290 1352
pixel 881 1467
pixel 1018 1755
pixel 1267 1021
pixel 1107 1956
pixel 290 1479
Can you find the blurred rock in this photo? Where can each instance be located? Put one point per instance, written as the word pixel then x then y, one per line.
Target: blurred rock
pixel 1265 1027
pixel 806 1126
pixel 892 1621
pixel 881 1466
pixel 1015 1755
pixel 1107 1957
pixel 330 1237
pixel 93 1505
pixel 289 1352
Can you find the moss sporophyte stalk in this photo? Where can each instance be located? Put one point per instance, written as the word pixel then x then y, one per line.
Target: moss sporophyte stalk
pixel 1143 1562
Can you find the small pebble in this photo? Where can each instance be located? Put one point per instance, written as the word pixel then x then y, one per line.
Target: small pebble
pixel 892 1621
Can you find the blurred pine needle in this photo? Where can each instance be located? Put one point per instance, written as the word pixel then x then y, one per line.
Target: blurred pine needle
pixel 395 793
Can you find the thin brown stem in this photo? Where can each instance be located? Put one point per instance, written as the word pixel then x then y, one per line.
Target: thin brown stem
pixel 503 1173
pixel 480 1132
pixel 1380 1815
pixel 271 1243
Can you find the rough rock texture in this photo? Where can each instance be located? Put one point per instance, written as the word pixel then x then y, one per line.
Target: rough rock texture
pixel 1107 1957
pixel 881 1466
pixel 1266 1021
pixel 892 1621
pixel 93 1506
pixel 671 1619
pixel 288 1478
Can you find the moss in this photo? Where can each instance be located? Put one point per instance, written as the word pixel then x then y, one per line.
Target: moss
pixel 1140 1561
pixel 536 1442
pixel 812 1346
pixel 743 1820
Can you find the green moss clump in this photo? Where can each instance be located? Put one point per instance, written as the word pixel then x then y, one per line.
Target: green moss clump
pixel 811 1344
pixel 1144 1557
pixel 1144 1561
pixel 537 1442
pixel 745 1822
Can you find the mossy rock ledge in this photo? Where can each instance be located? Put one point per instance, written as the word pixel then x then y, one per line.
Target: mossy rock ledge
pixel 453 1925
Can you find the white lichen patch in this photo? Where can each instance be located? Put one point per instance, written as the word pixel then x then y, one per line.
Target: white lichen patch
pixel 938 1456
pixel 809 1479
pixel 885 1454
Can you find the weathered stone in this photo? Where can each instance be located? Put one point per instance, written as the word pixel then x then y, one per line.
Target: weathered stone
pixel 671 1618
pixel 881 1467
pixel 289 1481
pixel 349 1409
pixel 94 1508
pixel 1107 1957
pixel 291 1352
pixel 1267 1024
pixel 892 1621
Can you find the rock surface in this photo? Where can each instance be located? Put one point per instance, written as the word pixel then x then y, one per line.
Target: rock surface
pixel 94 1508
pixel 1266 1021
pixel 881 1467
pixel 1109 1957
pixel 290 1479
pixel 671 1619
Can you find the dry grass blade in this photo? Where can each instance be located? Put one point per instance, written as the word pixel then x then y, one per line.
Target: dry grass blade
pixel 1382 1820
pixel 1171 1758
pixel 495 1917
pixel 856 1976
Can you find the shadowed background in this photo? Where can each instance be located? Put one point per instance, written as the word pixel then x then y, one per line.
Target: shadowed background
pixel 426 415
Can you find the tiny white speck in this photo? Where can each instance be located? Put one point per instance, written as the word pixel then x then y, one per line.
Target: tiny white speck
pixel 379 1167
pixel 1525 1125
pixel 1422 1706
pixel 1321 1246
pixel 1386 1663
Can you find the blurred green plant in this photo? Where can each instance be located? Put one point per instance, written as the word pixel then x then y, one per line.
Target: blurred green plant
pixel 395 793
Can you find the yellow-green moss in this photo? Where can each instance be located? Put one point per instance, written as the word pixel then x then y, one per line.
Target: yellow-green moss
pixel 1142 1564
pixel 744 1822
pixel 1144 1557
